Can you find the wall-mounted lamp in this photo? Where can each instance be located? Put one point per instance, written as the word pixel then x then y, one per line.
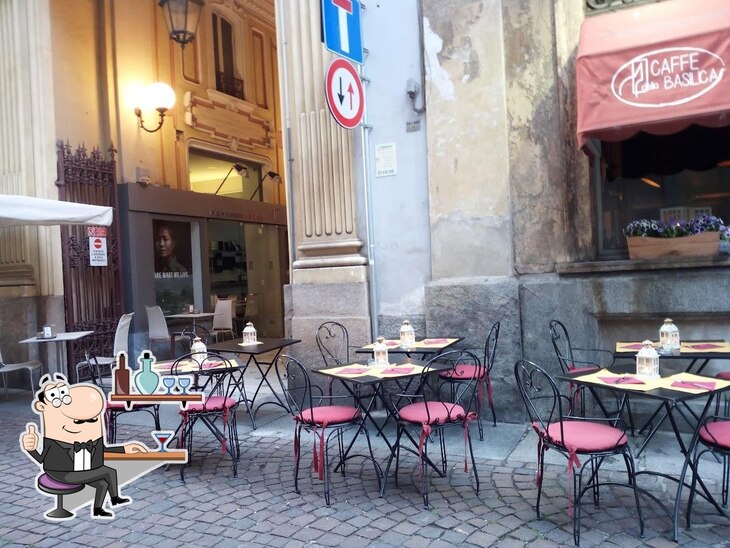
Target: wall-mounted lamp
pixel 241 169
pixel 182 17
pixel 275 177
pixel 162 98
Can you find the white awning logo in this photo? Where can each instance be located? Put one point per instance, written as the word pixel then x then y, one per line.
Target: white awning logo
pixel 667 77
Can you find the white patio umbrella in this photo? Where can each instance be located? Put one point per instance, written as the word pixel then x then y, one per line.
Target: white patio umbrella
pixel 24 210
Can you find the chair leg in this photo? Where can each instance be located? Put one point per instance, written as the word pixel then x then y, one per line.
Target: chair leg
pixel 577 487
pixel 378 470
pixel 5 383
pixel 631 467
pixel 326 470
pixel 541 468
pixel 297 457
pixel 424 473
pixel 442 443
pixel 725 478
pixel 473 462
pixel 491 406
pixel 394 454
pixel 478 407
pixel 59 512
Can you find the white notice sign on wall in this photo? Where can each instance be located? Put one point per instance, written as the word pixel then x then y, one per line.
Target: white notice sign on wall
pixel 97 251
pixel 386 162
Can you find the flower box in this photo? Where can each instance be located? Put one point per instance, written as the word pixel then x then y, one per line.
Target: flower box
pixel 695 245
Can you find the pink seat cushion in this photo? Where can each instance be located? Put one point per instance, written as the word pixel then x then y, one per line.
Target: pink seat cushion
pixel 463 371
pixel 716 433
pixel 724 375
pixel 582 369
pixel 587 437
pixel 432 412
pixel 331 414
pixel 213 403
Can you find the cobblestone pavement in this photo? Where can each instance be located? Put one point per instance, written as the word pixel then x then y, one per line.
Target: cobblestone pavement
pixel 259 506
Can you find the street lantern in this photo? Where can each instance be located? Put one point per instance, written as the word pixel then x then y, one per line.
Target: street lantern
pixel 182 17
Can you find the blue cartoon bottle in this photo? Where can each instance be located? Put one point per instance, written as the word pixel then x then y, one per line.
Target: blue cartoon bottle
pixel 145 379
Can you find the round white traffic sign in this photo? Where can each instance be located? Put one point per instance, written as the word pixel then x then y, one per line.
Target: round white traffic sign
pixel 344 93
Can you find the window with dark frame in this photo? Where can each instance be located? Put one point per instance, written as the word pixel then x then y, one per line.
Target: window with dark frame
pixel 224 58
pixel 665 177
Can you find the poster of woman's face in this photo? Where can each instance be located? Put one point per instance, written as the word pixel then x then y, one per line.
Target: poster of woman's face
pixel 172 249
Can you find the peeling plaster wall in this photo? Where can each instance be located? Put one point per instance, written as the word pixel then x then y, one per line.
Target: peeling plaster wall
pixel 467 142
pixel 551 195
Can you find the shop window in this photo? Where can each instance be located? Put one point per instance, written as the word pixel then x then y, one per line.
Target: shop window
pixel 226 80
pixel 660 177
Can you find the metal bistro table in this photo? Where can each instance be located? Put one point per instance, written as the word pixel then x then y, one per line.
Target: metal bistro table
pixel 357 375
pixel 425 348
pixel 255 351
pixel 697 353
pixel 60 341
pixel 671 392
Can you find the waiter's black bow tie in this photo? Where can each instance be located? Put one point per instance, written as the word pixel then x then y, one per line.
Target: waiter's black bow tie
pixel 88 445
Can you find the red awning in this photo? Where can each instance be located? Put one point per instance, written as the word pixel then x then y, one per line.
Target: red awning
pixel 656 68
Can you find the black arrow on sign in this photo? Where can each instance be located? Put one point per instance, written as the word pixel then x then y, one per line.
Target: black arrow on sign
pixel 340 96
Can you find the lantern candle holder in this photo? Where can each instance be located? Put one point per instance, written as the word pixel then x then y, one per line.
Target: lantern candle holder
pixel 647 362
pixel 380 352
pixel 407 335
pixel 669 338
pixel 249 334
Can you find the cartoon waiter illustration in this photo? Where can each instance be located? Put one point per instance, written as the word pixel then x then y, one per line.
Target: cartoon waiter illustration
pixel 72 422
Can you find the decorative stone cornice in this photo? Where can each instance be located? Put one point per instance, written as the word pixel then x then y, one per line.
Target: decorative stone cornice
pixel 227 120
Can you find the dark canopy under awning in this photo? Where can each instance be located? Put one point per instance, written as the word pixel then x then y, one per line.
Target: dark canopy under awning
pixel 656 68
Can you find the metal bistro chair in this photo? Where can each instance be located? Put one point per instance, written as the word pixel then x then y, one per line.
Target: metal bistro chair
pixel 582 360
pixel 333 342
pixel 323 421
pixel 219 402
pixel 426 413
pixel 121 344
pixel 481 372
pixel 714 436
pixel 590 439
pixel 29 366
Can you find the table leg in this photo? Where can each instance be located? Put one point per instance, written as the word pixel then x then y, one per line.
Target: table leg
pixel 362 427
pixel 264 379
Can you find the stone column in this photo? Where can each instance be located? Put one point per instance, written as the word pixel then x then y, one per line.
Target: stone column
pixel 329 277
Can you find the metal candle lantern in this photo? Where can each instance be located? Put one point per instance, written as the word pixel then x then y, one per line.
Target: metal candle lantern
pixel 669 337
pixel 249 333
pixel 198 346
pixel 647 362
pixel 380 352
pixel 407 335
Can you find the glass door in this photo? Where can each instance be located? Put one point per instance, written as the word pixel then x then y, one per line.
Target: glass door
pixel 244 264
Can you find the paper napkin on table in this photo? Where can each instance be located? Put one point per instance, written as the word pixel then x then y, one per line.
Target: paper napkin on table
pixel 435 341
pixel 397 370
pixel 621 380
pixel 695 385
pixel 353 370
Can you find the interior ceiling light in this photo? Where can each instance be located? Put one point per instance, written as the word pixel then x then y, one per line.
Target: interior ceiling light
pixel 651 182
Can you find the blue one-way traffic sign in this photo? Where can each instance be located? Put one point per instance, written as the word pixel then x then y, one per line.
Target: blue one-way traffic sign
pixel 342 32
